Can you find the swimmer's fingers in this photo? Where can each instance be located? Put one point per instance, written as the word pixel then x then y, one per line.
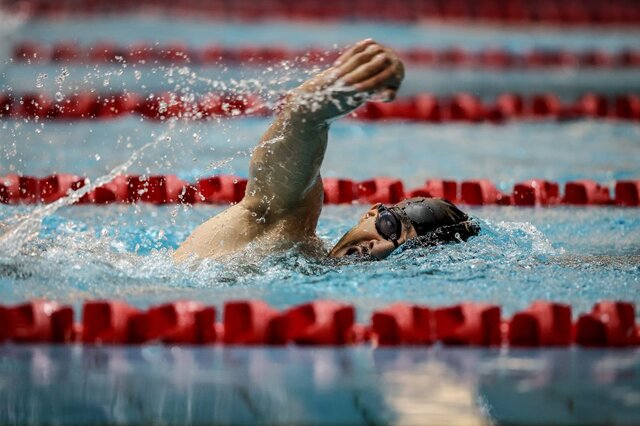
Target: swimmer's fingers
pixel 374 82
pixel 359 59
pixel 367 70
pixel 356 48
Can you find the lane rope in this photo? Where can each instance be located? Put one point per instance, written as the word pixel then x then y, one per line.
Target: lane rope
pixel 514 12
pixel 424 107
pixel 225 189
pixel 70 52
pixel 319 323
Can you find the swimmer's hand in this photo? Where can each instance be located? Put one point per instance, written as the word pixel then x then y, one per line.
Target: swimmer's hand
pixel 365 71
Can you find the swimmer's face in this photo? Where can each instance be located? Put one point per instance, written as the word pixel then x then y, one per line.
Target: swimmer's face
pixel 364 240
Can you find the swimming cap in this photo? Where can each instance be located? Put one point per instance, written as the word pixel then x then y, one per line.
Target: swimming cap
pixel 438 220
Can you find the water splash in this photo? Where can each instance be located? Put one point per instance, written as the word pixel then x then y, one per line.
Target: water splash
pixel 19 230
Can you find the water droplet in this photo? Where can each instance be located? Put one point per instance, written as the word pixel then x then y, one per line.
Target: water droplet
pixel 63 75
pixel 97 157
pixel 40 80
pixel 137 74
pixel 59 96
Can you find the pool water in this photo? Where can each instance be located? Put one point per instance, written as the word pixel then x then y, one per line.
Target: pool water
pixel 579 255
pixel 568 254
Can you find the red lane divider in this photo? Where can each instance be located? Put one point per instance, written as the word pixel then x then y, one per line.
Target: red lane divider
pixel 167 189
pixel 514 12
pixel 320 323
pixel 462 107
pixel 149 54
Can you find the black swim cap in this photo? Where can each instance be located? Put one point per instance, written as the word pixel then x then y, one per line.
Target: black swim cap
pixel 437 220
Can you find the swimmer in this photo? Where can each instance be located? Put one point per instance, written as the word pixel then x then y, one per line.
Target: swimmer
pixel 284 193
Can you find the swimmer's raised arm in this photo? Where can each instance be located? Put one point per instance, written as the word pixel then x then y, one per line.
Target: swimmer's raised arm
pixel 285 167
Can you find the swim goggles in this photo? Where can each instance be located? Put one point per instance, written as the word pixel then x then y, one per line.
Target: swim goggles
pixel 388 225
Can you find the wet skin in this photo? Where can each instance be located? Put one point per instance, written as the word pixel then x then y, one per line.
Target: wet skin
pixel 284 193
pixel 364 239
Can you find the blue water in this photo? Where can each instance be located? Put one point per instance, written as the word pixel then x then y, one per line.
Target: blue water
pixel 574 255
pixel 570 254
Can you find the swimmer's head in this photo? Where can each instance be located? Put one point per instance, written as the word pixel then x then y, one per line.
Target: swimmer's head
pixel 382 229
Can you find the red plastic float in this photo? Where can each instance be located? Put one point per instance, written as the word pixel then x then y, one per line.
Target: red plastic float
pixel 439 188
pixel 160 189
pixel 54 187
pixel 104 52
pixel 36 106
pixel 627 193
pixel 536 192
pixel 608 324
pixel 613 12
pixel 339 191
pixel 506 107
pixel 224 189
pixel 463 107
pixel 542 324
pixel 628 107
pixel 253 322
pixel 221 189
pixel 115 191
pixel 321 322
pixel 479 192
pixel 10 189
pixel 471 324
pixel 177 53
pixel 32 322
pixel 544 105
pixel 381 190
pixel 6 105
pixel 108 322
pixel 110 106
pixel 175 322
pixel 421 107
pixel 592 105
pixel 583 192
pixel 402 324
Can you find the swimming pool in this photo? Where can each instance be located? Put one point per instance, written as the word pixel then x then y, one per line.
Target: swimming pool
pixel 569 254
